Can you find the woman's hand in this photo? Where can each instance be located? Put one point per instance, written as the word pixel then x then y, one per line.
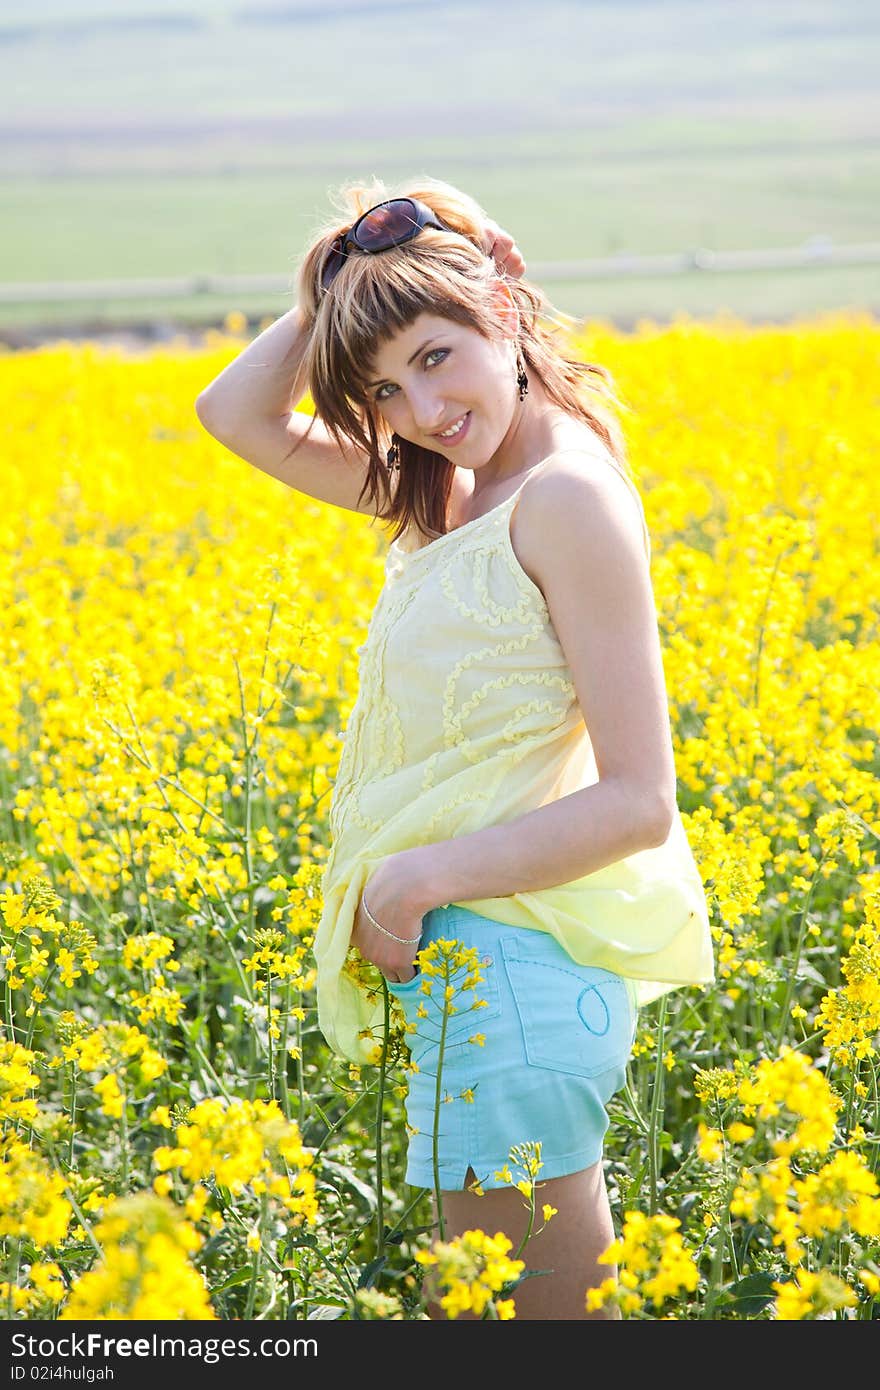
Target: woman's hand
pixel 501 246
pixel 395 896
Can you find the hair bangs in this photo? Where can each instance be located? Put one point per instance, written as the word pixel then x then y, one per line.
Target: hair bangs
pixel 381 297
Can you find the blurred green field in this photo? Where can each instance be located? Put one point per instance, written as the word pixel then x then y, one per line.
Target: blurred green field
pixel 584 128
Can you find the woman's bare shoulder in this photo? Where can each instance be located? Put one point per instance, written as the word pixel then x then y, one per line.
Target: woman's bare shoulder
pixel 579 471
pixel 575 487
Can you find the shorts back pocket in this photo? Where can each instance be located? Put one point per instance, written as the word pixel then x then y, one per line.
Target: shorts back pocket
pixel 575 1018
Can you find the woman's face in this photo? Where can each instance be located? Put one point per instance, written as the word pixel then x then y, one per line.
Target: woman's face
pixel 437 376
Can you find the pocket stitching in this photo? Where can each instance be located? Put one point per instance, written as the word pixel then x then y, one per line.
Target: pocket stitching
pixel 512 958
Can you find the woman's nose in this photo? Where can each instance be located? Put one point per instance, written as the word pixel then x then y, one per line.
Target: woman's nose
pixel 427 411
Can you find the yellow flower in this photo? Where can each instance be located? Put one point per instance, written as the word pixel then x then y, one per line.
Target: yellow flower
pixel 471 1270
pixel 710 1144
pixel 46 1276
pixel 810 1295
pixel 32 1200
pixel 654 1263
pixel 241 1143
pixel 739 1133
pixel 145 1271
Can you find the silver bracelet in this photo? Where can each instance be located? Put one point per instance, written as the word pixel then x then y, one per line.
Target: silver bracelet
pixel 404 940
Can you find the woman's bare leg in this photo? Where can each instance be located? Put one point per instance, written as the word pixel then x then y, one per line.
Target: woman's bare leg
pixel 568 1246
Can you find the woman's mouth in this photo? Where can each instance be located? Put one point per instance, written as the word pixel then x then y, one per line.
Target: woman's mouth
pixel 456 431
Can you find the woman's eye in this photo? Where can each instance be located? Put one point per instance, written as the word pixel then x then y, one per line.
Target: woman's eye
pixel 441 353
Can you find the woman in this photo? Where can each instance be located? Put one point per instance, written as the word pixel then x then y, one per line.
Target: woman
pixel 507 780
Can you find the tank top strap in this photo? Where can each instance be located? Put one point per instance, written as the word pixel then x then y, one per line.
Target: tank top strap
pixel 607 455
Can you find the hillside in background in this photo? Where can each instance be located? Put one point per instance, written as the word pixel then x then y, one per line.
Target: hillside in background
pixel 170 138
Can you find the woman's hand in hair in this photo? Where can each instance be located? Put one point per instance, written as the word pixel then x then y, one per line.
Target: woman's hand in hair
pixel 501 246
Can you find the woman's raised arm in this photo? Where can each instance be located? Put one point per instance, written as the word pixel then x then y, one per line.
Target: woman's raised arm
pixel 251 408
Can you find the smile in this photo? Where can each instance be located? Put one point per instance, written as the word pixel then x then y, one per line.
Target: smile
pixel 455 430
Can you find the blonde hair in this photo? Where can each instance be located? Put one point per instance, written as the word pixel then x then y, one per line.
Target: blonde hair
pixel 375 296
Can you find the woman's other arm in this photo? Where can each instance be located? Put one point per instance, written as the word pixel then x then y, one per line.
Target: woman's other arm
pixel 251 409
pixel 580 538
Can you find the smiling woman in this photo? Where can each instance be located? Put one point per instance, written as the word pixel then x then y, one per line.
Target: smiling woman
pixel 507 779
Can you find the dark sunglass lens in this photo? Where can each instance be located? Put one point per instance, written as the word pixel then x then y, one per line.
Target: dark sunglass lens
pixel 333 263
pixel 384 226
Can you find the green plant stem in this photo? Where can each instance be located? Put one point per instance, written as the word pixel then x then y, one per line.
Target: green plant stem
pixel 634 1105
pixel 73 1074
pixel 799 946
pixel 80 1214
pixel 717 1268
pixel 258 1256
pixel 656 1112
pixel 300 1072
pixel 200 1053
pixel 380 1118
pixel 124 1141
pixel 269 1038
pixel 32 1022
pixel 435 1139
pixel 333 1127
pixel 531 1222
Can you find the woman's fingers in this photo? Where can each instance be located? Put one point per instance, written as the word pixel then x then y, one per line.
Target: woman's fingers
pixel 501 246
pixel 389 960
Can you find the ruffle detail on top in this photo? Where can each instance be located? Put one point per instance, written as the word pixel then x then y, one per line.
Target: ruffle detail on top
pixel 467 716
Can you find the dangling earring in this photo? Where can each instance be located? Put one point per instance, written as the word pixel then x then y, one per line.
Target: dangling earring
pixel 393 455
pixel 522 380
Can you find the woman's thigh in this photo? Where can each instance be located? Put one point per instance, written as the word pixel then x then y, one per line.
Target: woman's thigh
pixel 563 1252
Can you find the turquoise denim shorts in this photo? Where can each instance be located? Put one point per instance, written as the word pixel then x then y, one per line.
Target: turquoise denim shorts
pixel 557 1039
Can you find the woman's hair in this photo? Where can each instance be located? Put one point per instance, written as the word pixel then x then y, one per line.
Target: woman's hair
pixel 373 297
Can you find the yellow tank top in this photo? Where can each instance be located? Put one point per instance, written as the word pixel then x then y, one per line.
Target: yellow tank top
pixel 467 716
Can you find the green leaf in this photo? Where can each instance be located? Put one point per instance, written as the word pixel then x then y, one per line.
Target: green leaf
pixel 369 1272
pixel 341 1170
pixel 326 1311
pixel 635 1186
pixel 749 1296
pixel 241 1276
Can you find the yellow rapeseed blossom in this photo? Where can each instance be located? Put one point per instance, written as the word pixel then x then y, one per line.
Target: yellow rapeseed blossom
pixel 145 1271
pixel 179 664
pixel 654 1265
pixel 32 1200
pixel 375 1306
pixel 119 1056
pixel 17 1077
pixel 46 1276
pixel 792 1084
pixel 766 1194
pixel 710 1144
pixel 38 946
pixel 739 1133
pixel 245 1143
pixel 849 1016
pixel 471 1270
pixel 810 1295
pixel 844 1192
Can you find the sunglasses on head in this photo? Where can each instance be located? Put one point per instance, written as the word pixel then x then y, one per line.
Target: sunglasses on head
pixel 386 225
